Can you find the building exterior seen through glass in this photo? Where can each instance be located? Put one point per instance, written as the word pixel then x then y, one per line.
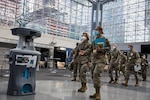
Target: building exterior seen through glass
pixel 127 21
pixel 66 18
pixel 123 21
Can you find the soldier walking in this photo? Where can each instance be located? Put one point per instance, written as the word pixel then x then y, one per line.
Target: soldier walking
pixel 123 63
pixel 144 66
pixel 115 64
pixel 75 62
pixel 133 58
pixel 99 48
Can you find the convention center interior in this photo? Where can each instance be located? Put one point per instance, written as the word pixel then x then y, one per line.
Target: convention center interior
pixel 74 49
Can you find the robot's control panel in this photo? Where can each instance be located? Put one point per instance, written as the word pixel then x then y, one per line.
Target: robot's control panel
pixel 27 60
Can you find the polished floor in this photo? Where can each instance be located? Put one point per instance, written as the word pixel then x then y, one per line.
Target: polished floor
pixel 57 86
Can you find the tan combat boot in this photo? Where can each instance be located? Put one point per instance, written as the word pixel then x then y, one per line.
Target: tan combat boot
pixel 125 83
pixel 84 88
pixel 79 80
pixel 111 80
pixel 74 79
pixel 94 95
pixel 80 88
pixel 115 82
pixel 137 84
pixel 98 96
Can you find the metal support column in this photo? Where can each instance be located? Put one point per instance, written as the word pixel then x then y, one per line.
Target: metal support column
pixel 52 61
pixel 97 12
pixel 70 21
pixel 92 20
pixel 101 14
pixel 95 16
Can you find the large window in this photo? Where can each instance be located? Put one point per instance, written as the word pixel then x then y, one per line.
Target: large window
pixel 66 18
pixel 125 20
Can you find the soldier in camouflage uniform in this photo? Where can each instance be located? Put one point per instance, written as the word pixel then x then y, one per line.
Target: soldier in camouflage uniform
pixel 133 58
pixel 108 58
pixel 75 63
pixel 99 52
pixel 144 65
pixel 123 62
pixel 114 64
pixel 83 60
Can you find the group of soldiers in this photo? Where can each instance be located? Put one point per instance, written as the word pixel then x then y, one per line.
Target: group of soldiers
pixel 128 63
pixel 97 55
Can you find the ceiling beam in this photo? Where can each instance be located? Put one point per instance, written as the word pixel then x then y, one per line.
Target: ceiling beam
pixel 105 1
pixel 91 1
pixel 80 3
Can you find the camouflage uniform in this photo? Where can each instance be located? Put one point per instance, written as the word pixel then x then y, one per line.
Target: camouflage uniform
pixel 114 65
pixel 83 64
pixel 75 64
pixel 144 65
pixel 123 62
pixel 98 59
pixel 133 58
pixel 108 58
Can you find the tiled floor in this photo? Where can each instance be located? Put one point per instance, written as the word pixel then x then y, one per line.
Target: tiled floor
pixel 61 88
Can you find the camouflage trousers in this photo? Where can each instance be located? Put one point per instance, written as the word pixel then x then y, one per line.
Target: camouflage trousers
pixel 115 67
pixel 123 69
pixel 144 72
pixel 75 69
pixel 82 72
pixel 130 69
pixel 96 71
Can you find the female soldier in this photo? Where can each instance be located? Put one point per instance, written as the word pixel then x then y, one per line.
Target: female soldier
pixel 100 46
pixel 83 61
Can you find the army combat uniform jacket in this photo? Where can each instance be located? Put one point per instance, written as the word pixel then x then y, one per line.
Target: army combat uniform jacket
pixel 115 56
pixel 99 56
pixel 83 58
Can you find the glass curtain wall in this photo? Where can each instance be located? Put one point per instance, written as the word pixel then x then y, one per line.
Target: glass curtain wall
pixel 9 10
pixel 66 18
pixel 126 21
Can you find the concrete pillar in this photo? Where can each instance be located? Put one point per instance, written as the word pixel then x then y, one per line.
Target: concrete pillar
pixel 51 55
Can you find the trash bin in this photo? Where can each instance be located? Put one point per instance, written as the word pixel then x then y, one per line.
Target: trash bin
pixel 23 61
